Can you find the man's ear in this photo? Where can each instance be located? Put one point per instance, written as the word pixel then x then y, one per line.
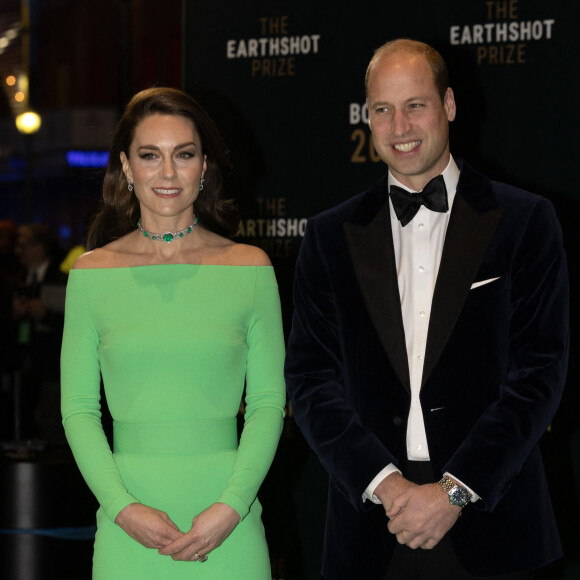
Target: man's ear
pixel 369 114
pixel 449 104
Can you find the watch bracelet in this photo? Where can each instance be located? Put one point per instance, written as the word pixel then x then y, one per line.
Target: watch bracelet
pixel 448 484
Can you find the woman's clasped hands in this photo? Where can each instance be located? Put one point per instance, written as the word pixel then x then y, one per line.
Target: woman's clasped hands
pixel 154 529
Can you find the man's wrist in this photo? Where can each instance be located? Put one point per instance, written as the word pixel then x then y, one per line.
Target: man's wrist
pixel 458 495
pixel 369 492
pixel 474 496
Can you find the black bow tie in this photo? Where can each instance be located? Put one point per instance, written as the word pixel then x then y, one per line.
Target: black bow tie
pixel 433 197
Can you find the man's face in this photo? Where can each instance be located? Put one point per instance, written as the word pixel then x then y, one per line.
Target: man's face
pixel 409 123
pixel 29 252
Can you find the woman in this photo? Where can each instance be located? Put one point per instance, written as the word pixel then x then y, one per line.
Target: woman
pixel 176 319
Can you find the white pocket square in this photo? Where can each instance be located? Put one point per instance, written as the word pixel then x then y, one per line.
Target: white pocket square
pixel 483 282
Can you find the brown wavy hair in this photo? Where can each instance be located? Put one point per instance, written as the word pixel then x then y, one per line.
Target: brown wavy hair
pixel 119 210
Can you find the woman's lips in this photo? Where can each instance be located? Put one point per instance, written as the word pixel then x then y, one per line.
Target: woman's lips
pixel 167 192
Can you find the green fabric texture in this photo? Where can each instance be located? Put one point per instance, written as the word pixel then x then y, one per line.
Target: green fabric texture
pixel 175 346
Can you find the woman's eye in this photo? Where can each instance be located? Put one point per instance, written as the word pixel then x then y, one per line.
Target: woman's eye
pixel 147 156
pixel 186 155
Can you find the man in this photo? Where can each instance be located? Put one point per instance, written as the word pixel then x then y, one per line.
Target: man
pixel 38 315
pixel 429 346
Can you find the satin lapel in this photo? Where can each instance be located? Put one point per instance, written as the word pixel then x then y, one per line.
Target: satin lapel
pixel 373 258
pixel 468 236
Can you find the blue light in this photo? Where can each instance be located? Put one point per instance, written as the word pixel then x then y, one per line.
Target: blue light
pixel 65 232
pixel 87 158
pixel 18 163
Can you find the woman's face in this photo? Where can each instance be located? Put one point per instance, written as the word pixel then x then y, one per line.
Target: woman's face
pixel 165 164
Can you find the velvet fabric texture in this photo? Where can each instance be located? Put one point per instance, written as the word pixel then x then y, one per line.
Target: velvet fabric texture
pixel 494 371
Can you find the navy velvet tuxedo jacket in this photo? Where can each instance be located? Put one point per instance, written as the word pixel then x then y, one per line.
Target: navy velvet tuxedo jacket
pixel 494 371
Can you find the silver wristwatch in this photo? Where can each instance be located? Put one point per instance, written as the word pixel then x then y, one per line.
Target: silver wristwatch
pixel 458 495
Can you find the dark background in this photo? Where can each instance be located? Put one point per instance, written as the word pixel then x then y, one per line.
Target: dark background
pixel 295 125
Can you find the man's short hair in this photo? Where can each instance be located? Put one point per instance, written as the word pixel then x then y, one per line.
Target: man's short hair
pixel 434 60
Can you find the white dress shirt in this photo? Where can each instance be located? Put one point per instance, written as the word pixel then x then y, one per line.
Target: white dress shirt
pixel 36 275
pixel 418 248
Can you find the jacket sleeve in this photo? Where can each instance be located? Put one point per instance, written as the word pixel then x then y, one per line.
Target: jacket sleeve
pixel 502 439
pixel 316 376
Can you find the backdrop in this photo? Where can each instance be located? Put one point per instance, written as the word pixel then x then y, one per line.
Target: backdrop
pixel 284 82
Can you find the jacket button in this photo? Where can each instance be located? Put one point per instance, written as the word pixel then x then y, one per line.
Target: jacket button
pixel 397 421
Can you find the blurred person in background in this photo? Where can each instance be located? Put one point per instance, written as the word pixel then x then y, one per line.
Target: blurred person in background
pixel 38 314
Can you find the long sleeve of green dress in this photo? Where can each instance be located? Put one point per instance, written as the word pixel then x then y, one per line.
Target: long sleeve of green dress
pixel 173 343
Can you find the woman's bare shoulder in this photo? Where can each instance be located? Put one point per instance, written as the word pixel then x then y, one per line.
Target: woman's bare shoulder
pixel 220 250
pixel 93 259
pixel 246 255
pixel 110 256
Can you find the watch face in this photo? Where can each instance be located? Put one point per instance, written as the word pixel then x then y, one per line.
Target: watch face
pixel 459 496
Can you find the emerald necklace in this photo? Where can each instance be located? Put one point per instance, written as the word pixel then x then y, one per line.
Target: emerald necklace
pixel 168 237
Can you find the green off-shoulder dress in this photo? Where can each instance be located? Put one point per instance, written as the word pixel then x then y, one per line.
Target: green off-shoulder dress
pixel 175 345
